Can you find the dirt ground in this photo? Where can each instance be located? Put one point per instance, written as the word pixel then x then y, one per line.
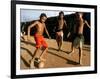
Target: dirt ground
pixel 55 59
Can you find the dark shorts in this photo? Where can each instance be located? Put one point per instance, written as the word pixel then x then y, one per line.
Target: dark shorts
pixel 78 40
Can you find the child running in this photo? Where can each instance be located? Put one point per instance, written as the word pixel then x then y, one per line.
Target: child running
pixel 78 38
pixel 59 29
pixel 39 39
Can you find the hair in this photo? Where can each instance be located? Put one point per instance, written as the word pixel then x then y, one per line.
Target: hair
pixel 43 15
pixel 61 12
pixel 79 12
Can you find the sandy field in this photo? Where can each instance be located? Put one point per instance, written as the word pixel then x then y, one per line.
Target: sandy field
pixel 55 59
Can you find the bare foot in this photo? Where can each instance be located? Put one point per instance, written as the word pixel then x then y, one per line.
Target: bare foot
pixel 41 64
pixel 80 62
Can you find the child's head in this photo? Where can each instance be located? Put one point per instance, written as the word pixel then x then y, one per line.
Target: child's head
pixel 43 17
pixel 61 14
pixel 79 14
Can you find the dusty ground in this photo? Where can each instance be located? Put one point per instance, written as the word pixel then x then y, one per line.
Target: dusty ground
pixel 55 59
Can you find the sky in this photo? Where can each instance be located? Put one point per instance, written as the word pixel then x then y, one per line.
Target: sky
pixel 30 14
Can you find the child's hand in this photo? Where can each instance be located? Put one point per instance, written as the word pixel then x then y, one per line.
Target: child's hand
pixel 68 34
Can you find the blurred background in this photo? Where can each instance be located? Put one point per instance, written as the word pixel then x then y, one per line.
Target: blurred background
pixel 28 16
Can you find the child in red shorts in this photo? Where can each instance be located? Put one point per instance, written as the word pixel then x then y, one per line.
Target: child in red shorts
pixel 39 39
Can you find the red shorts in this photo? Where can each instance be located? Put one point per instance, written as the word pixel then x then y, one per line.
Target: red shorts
pixel 40 41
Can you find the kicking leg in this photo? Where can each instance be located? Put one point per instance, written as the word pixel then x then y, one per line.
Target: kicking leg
pixel 43 55
pixel 42 58
pixel 35 52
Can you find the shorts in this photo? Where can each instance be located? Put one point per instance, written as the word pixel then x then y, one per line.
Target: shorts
pixel 40 41
pixel 78 41
pixel 59 35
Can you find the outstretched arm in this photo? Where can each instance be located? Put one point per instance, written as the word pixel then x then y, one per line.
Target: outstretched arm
pixel 46 31
pixel 87 23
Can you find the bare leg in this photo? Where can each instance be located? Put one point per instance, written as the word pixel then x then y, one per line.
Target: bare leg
pixel 80 53
pixel 42 58
pixel 58 43
pixel 80 56
pixel 60 40
pixel 34 55
pixel 35 52
pixel 72 48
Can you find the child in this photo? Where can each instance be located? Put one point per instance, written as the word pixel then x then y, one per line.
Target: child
pixel 39 39
pixel 59 29
pixel 78 38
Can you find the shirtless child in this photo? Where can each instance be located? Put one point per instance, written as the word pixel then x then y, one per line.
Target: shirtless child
pixel 59 29
pixel 39 39
pixel 78 38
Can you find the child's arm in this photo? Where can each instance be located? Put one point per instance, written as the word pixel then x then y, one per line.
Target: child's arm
pixel 87 23
pixel 65 23
pixel 66 27
pixel 46 31
pixel 68 34
pixel 32 25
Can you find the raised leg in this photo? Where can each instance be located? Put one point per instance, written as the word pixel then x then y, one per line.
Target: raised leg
pixel 43 58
